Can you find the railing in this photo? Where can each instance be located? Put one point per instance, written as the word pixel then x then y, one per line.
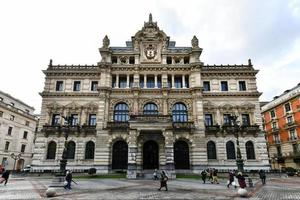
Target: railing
pixel 250 128
pixel 290 125
pixel 228 128
pixel 274 129
pixel 151 118
pixel 293 138
pixel 212 129
pixel 118 125
pixel 183 125
pixel 52 129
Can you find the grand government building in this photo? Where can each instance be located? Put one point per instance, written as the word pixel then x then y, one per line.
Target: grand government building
pixel 150 105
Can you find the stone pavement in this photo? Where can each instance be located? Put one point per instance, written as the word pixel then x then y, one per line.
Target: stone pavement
pixel 34 188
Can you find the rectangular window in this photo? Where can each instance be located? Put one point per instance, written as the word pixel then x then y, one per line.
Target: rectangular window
pixel 59 86
pixel 150 82
pixel 130 81
pixel 131 60
pixel 208 120
pixel 1 114
pixel 274 125
pixel 289 119
pixel 12 117
pixel 9 130
pixel 206 85
pixel 6 146
pixel 26 123
pixel 224 86
pixel 74 119
pixel 92 120
pixel 25 135
pixel 169 60
pixel 245 120
pixel 141 81
pixel 114 59
pixel 55 119
pixel 114 82
pixel 169 82
pixel 122 81
pixel 279 152
pixel 293 134
pixel 242 85
pixel 276 139
pixel 159 81
pixel 178 82
pixel 287 107
pixel 76 86
pixel 272 113
pixel 23 148
pixel 226 119
pixel 94 85
pixel 187 83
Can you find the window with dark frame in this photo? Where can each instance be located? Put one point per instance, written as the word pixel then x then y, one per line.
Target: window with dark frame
pixel 289 119
pixel 121 112
pixel 230 150
pixel 150 109
pixel 23 148
pixel 27 123
pixel 179 113
pixel 250 150
pixel 287 107
pixel 224 86
pixel 9 130
pixel 211 150
pixel 94 86
pixel 51 151
pixel 90 150
pixel 25 135
pixel 59 86
pixel 6 146
pixel 245 120
pixel 76 86
pixel 206 85
pixel 178 82
pixel 272 113
pixel 226 119
pixel 12 117
pixel 208 120
pixel 55 119
pixel 242 86
pixel 92 120
pixel 75 119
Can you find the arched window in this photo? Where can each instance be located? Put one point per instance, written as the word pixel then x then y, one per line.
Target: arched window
pixel 71 150
pixel 179 113
pixel 211 150
pixel 51 151
pixel 250 150
pixel 121 112
pixel 150 109
pixel 89 150
pixel 230 149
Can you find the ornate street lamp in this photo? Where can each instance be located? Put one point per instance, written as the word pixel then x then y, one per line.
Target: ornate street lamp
pixel 236 130
pixel 15 157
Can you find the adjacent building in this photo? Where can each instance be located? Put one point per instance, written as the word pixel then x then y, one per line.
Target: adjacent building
pixel 282 128
pixel 17 132
pixel 149 105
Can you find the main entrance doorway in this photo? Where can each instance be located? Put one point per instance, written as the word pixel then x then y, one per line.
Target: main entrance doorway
pixel 150 155
pixel 181 155
pixel 119 155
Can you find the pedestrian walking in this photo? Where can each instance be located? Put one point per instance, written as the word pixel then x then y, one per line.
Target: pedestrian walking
pixel 5 176
pixel 230 178
pixel 155 175
pixel 68 180
pixel 203 175
pixel 215 176
pixel 241 180
pixel 210 177
pixel 163 180
pixel 262 176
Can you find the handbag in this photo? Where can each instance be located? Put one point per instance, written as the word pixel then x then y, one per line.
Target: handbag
pixel 65 183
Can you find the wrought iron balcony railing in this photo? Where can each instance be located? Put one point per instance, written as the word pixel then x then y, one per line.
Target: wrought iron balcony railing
pixel 52 129
pixel 250 128
pixel 212 129
pixel 151 118
pixel 183 125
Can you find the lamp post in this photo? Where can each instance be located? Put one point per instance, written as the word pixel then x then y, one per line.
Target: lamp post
pixel 15 157
pixel 236 130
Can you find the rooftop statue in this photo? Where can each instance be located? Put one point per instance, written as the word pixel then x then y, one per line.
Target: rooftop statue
pixel 105 42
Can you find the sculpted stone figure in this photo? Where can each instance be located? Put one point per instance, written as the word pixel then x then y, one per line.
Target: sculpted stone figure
pixel 195 42
pixel 105 42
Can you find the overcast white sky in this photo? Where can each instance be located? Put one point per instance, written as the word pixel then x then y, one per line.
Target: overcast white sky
pixel 70 32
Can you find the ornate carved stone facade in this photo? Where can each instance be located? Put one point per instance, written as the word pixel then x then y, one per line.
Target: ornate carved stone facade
pixel 151 100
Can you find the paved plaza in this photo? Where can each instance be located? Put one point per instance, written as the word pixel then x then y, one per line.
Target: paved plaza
pixel 34 188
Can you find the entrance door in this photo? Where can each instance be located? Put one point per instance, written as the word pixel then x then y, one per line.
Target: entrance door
pixel 20 164
pixel 150 155
pixel 120 155
pixel 181 155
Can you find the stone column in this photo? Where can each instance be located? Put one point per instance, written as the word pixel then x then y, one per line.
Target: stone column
pixel 132 153
pixel 183 81
pixel 128 78
pixel 117 80
pixel 155 81
pixel 169 152
pixel 145 80
pixel 173 85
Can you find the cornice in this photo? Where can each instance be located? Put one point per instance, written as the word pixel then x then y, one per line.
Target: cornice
pixel 69 94
pixel 17 111
pixel 232 94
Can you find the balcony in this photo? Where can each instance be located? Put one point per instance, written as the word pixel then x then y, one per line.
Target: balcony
pixel 228 128
pixel 88 129
pixel 52 129
pixel 293 138
pixel 290 125
pixel 277 141
pixel 151 118
pixel 275 130
pixel 250 128
pixel 118 125
pixel 183 125
pixel 214 129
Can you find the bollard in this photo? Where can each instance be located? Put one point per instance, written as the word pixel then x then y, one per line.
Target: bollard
pixel 250 182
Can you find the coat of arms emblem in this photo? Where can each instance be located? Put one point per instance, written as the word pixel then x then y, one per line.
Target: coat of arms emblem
pixel 150 52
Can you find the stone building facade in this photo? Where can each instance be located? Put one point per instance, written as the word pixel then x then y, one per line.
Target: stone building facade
pixel 150 105
pixel 17 132
pixel 282 128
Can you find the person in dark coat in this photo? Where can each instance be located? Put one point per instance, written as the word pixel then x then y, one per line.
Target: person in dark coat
pixel 241 180
pixel 262 176
pixel 68 179
pixel 5 176
pixel 230 178
pixel 163 180
pixel 203 175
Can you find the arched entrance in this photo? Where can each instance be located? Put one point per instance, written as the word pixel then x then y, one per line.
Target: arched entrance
pixel 150 155
pixel 119 155
pixel 20 164
pixel 181 155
